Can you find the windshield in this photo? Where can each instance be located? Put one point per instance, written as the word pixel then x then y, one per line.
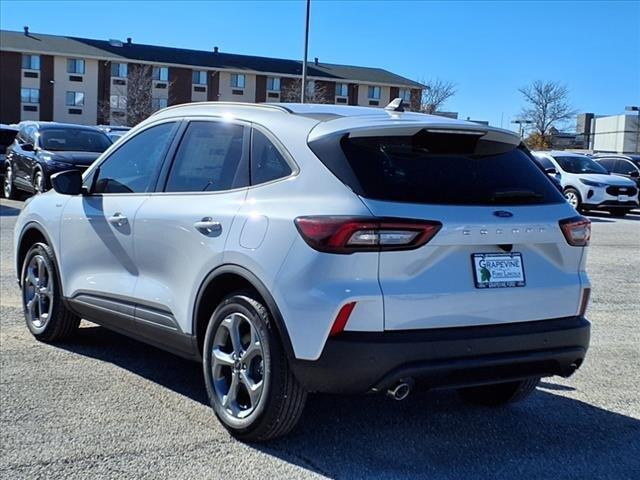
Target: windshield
pixel 576 164
pixel 73 140
pixel 435 168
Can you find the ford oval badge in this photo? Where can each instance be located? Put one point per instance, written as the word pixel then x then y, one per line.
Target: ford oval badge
pixel 503 214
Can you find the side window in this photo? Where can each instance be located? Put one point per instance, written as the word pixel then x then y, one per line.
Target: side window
pixel 266 161
pixel 132 167
pixel 545 162
pixel 209 159
pixel 624 167
pixel 608 163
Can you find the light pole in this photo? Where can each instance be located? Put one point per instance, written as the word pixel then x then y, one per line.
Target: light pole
pixel 521 124
pixel 635 108
pixel 304 61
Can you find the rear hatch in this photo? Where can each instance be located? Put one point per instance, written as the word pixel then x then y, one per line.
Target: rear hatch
pixel 500 255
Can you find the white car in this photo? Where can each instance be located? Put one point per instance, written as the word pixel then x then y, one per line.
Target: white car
pixel 316 248
pixel 587 185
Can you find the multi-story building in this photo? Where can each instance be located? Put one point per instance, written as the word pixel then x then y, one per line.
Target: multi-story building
pixel 80 80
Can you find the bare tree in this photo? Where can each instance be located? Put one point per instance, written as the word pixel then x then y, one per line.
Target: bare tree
pixel 315 93
pixel 132 103
pixel 546 106
pixel 436 93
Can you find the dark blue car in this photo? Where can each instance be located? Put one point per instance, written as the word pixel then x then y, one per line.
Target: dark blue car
pixel 41 149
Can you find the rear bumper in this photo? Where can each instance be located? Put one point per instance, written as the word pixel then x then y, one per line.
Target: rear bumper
pixel 358 362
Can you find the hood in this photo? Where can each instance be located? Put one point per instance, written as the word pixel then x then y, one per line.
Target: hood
pixel 75 158
pixel 608 179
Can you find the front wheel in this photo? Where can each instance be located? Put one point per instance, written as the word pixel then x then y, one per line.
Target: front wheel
pixel 499 393
pixel 250 385
pixel 39 183
pixel 573 198
pixel 47 317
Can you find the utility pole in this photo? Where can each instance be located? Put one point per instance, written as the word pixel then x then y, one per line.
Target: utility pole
pixel 521 124
pixel 303 92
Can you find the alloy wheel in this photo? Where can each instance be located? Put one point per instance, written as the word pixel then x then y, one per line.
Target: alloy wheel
pixel 572 198
pixel 237 366
pixel 37 291
pixel 39 183
pixel 8 182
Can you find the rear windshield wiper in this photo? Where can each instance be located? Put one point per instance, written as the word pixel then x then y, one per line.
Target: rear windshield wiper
pixel 520 195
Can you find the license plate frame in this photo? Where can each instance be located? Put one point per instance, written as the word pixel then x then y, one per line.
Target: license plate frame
pixel 509 276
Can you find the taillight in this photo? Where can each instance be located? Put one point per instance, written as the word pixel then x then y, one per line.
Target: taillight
pixel 335 234
pixel 577 230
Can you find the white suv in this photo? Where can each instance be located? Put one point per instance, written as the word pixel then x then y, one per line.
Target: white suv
pixel 315 248
pixel 587 185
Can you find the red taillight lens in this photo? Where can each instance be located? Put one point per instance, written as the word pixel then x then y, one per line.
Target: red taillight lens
pixel 577 231
pixel 348 235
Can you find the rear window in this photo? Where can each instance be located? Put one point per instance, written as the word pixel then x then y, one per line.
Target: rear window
pixel 437 168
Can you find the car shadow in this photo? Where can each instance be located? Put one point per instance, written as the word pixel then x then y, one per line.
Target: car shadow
pixel 7 211
pixel 429 435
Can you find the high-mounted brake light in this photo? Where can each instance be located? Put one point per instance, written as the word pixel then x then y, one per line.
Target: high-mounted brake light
pixel 577 230
pixel 337 234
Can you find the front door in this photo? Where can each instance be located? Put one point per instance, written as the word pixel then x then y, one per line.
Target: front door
pixel 99 270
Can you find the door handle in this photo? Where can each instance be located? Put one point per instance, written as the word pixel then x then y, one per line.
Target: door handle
pixel 118 219
pixel 208 226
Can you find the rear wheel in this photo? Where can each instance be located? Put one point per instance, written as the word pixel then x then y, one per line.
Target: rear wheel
pixel 499 393
pixel 573 198
pixel 249 382
pixel 47 317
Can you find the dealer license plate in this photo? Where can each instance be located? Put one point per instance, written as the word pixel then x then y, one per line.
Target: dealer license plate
pixel 498 270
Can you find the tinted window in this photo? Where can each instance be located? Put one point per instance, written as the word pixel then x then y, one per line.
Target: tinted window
pixel 266 161
pixel 576 164
pixel 624 167
pixel 545 162
pixel 438 168
pixel 608 163
pixel 210 158
pixel 6 139
pixel 132 167
pixel 73 140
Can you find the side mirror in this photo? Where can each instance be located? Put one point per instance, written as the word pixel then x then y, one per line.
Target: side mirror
pixel 551 171
pixel 68 182
pixel 27 147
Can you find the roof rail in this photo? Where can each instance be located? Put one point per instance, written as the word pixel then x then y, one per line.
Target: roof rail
pixel 232 104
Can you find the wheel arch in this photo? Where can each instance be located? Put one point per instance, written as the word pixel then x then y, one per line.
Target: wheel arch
pixel 32 233
pixel 224 280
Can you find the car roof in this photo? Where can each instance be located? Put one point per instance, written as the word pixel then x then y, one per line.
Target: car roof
pixel 53 125
pixel 560 153
pixel 328 119
pixel 4 126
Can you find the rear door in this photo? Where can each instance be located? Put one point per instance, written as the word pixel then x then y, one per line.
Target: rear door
pixel 500 255
pixel 181 229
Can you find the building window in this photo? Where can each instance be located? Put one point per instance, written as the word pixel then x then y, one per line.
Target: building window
pixel 374 93
pixel 158 103
pixel 342 90
pixel 199 77
pixel 31 62
pixel 30 95
pixel 273 84
pixel 237 80
pixel 118 101
pixel 161 74
pixel 119 70
pixel 75 99
pixel 405 95
pixel 75 65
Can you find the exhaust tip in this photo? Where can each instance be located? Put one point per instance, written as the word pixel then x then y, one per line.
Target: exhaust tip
pixel 400 390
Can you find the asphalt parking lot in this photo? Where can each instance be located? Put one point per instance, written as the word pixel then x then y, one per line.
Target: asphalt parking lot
pixel 104 406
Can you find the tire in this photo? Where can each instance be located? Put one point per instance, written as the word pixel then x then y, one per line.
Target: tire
pixel 573 198
pixel 619 212
pixel 8 188
pixel 500 393
pixel 279 404
pixel 58 323
pixel 39 183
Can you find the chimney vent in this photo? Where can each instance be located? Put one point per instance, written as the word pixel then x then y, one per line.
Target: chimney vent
pixel 315 60
pixel 128 40
pixel 26 30
pixel 215 49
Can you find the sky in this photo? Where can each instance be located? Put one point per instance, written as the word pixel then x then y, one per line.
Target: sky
pixel 488 49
